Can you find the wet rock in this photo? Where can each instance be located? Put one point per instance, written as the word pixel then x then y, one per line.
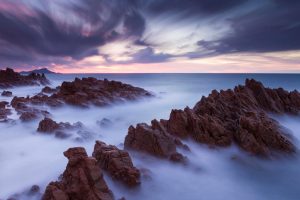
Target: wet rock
pixel 152 140
pixel 117 162
pixel 49 90
pixel 32 193
pixel 82 179
pixel 230 116
pixel 4 112
pixel 105 123
pixel 10 78
pixel 6 93
pixel 26 110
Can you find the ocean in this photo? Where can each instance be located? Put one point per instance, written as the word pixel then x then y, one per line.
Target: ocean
pixel 28 158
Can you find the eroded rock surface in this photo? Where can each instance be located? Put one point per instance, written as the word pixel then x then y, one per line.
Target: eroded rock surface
pixel 233 116
pixel 82 179
pixel 10 78
pixel 87 91
pixel 27 111
pixel 154 140
pixel 117 162
pixel 60 130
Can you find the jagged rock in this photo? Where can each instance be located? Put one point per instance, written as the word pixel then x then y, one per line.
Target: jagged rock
pixel 26 111
pixel 117 162
pixel 152 140
pixel 85 91
pixel 232 116
pixel 6 93
pixel 82 179
pixel 82 92
pixel 10 78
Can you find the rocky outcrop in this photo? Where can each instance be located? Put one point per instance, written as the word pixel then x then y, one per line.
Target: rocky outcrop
pixel 82 179
pixel 233 116
pixel 154 140
pixel 87 91
pixel 49 90
pixel 4 112
pixel 117 162
pixel 27 112
pixel 10 78
pixel 82 92
pixel 60 130
pixel 6 93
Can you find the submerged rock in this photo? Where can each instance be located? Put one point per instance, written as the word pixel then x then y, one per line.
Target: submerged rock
pixel 4 112
pixel 82 179
pixel 117 162
pixel 6 93
pixel 27 112
pixel 10 78
pixel 233 116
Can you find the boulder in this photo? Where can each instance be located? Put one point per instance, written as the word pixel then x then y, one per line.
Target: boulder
pixel 117 162
pixel 81 180
pixel 6 93
pixel 152 140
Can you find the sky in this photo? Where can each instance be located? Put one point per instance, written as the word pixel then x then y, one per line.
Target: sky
pixel 138 36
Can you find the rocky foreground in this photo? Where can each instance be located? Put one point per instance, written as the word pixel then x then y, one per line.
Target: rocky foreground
pixel 10 78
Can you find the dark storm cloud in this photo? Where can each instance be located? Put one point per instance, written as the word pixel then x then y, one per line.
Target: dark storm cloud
pixel 192 7
pixel 274 27
pixel 38 35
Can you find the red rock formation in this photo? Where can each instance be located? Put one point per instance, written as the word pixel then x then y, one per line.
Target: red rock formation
pixel 9 78
pixel 82 92
pixel 153 140
pixel 117 162
pixel 232 116
pixel 82 180
pixel 26 111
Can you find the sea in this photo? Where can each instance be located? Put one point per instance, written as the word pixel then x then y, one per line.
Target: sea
pixel 29 158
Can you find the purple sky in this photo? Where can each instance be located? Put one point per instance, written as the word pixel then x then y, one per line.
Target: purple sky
pixel 151 35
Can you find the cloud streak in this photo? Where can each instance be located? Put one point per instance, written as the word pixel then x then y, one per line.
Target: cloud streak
pixel 52 33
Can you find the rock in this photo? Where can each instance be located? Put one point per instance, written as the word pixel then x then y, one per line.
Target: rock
pixel 49 90
pixel 26 111
pixel 4 112
pixel 10 78
pixel 47 125
pixel 105 123
pixel 82 179
pixel 32 193
pixel 152 140
pixel 233 116
pixel 6 93
pixel 117 162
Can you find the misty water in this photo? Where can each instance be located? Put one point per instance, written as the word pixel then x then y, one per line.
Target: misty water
pixel 28 158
